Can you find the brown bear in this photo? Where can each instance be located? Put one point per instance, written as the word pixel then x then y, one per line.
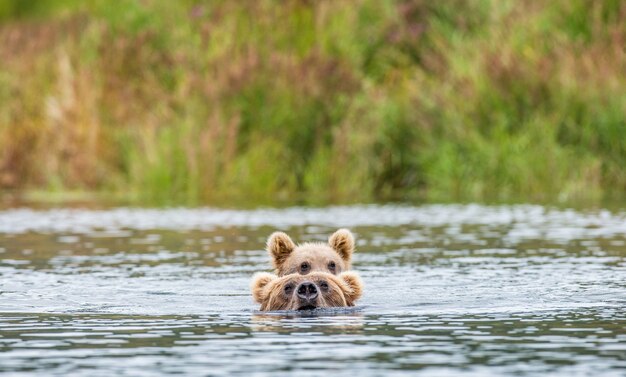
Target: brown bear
pixel 333 257
pixel 306 292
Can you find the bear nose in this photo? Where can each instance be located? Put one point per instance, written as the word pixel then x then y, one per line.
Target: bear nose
pixel 307 291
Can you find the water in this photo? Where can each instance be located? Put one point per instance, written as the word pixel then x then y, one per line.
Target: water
pixel 450 290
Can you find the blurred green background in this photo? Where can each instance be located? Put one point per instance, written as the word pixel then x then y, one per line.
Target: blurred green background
pixel 192 102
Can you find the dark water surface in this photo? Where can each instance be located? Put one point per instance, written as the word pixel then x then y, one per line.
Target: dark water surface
pixel 450 290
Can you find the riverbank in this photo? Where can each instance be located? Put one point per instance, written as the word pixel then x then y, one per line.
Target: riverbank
pixel 189 103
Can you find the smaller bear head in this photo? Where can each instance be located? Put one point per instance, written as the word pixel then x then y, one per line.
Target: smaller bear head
pixel 306 292
pixel 333 257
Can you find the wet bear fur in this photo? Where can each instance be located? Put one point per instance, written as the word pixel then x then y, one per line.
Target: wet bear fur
pixel 306 292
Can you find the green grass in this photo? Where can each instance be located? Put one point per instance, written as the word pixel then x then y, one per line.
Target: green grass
pixel 193 102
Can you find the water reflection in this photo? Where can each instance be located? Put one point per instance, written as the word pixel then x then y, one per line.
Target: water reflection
pixel 591 340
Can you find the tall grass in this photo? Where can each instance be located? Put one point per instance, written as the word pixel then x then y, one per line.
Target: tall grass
pixel 316 101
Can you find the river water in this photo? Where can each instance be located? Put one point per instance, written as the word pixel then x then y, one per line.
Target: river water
pixel 450 290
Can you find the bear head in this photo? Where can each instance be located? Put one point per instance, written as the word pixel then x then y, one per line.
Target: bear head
pixel 306 292
pixel 333 257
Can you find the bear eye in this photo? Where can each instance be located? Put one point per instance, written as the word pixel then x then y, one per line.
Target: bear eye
pixel 324 285
pixel 304 267
pixel 332 266
pixel 288 288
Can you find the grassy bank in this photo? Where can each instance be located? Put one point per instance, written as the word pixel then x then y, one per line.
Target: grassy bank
pixel 332 101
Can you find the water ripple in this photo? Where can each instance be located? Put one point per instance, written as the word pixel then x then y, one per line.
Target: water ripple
pixel 450 290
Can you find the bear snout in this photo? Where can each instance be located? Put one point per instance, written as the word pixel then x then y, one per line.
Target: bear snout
pixel 307 291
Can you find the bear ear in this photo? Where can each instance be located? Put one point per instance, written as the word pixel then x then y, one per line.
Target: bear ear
pixel 260 280
pixel 279 245
pixel 342 241
pixel 354 286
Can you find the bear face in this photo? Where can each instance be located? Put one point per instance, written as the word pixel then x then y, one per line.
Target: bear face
pixel 289 258
pixel 306 292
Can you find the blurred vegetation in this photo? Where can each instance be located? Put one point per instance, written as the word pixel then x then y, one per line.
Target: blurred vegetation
pixel 323 101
